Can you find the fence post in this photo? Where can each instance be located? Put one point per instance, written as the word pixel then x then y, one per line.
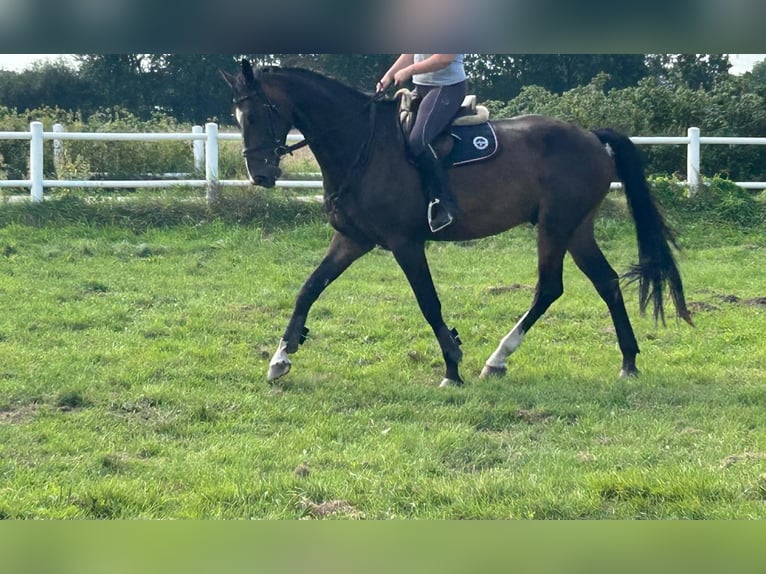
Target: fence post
pixel 58 150
pixel 211 161
pixel 198 147
pixel 693 160
pixel 36 161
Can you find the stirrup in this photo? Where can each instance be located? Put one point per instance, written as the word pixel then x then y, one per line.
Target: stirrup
pixel 438 225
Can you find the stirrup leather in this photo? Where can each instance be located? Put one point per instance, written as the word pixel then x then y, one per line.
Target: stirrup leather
pixel 437 227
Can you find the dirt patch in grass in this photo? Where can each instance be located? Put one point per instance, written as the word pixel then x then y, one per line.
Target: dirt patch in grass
pixel 18 414
pixel 500 289
pixel 735 300
pixel 302 470
pixel 745 456
pixel 701 307
pixel 533 416
pixel 329 509
pixel 730 298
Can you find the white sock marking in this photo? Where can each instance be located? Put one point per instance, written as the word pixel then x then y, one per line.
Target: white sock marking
pixel 281 355
pixel 507 345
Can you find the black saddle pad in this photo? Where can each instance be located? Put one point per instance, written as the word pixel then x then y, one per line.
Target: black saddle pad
pixel 472 143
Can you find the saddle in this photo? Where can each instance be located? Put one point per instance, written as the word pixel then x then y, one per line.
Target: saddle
pixel 469 137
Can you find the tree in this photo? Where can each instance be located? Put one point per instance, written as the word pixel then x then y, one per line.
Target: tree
pixel 493 76
pixel 502 76
pixel 122 80
pixel 702 71
pixel 190 88
pixel 756 78
pixel 185 86
pixel 47 84
pixel 695 71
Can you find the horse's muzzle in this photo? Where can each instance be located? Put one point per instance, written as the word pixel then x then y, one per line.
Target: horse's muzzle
pixel 263 181
pixel 265 175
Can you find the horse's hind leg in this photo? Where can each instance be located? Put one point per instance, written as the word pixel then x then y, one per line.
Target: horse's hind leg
pixel 591 261
pixel 550 286
pixel 343 251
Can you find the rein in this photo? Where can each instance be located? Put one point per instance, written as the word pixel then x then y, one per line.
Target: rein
pixel 363 157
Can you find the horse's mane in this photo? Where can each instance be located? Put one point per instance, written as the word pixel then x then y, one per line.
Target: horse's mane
pixel 328 82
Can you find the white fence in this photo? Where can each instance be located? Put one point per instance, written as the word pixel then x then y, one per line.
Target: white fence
pixel 204 146
pixel 205 149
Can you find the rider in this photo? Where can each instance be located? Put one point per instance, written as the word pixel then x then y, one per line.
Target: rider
pixel 441 85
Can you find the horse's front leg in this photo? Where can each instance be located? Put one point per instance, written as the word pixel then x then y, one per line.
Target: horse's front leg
pixel 343 251
pixel 411 257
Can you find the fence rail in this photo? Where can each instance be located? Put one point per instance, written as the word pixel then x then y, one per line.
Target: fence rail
pixel 205 149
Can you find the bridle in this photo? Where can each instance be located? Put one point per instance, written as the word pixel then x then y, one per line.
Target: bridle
pixel 280 149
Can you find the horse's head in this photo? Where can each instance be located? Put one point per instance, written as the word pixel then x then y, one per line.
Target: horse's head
pixel 263 128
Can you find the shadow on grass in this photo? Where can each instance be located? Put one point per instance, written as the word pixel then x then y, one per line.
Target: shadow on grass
pixel 264 208
pixel 720 206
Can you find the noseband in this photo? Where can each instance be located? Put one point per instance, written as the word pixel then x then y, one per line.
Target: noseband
pixel 280 149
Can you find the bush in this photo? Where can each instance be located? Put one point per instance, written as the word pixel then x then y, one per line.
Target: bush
pixel 88 159
pixel 671 193
pixel 120 160
pixel 728 203
pixel 716 201
pixel 16 152
pixel 131 160
pixel 652 108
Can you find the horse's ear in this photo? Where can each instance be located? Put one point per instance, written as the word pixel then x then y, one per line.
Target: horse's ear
pixel 229 79
pixel 247 71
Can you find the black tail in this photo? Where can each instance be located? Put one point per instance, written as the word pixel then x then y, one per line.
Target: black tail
pixel 656 264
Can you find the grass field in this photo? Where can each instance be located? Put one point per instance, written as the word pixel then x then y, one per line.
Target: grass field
pixel 134 348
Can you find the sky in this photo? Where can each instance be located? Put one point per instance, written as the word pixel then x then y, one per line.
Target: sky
pixel 19 62
pixel 741 63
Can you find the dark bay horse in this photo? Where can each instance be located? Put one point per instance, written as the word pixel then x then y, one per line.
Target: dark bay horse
pixel 546 172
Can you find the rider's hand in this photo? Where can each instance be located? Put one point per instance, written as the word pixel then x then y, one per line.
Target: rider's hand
pixel 402 76
pixel 383 84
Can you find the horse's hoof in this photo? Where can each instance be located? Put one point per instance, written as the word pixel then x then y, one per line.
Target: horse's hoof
pixel 447 383
pixel 626 373
pixel 490 371
pixel 279 369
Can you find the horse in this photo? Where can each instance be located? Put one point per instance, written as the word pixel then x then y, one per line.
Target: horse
pixel 546 172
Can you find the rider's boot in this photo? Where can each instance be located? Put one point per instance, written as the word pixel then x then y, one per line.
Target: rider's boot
pixel 442 207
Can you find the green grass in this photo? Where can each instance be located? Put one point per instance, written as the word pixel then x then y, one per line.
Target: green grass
pixel 134 347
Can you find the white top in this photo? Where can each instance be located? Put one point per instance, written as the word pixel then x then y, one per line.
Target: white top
pixel 454 73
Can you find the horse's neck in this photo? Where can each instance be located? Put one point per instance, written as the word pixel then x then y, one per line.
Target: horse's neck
pixel 334 120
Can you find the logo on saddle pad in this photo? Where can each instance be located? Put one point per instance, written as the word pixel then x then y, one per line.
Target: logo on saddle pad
pixel 472 143
pixel 480 143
